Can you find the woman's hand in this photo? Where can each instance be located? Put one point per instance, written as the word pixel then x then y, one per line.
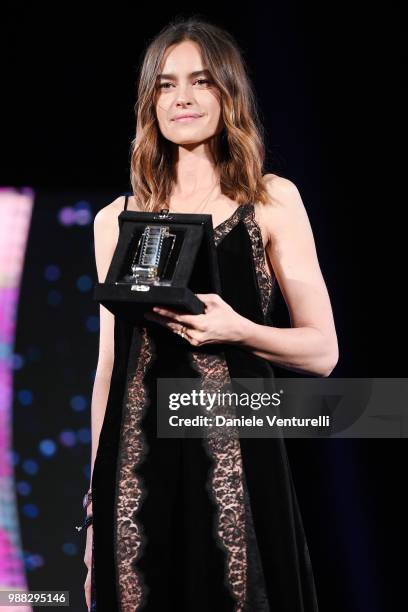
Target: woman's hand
pixel 88 563
pixel 218 323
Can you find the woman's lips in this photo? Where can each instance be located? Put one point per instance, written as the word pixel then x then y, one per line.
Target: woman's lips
pixel 186 119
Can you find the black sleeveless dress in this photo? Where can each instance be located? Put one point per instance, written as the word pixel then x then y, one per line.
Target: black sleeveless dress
pixel 195 525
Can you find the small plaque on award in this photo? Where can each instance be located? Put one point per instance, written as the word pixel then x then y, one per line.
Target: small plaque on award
pixel 161 258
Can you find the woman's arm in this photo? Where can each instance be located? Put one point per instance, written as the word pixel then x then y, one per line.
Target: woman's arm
pixel 310 345
pixel 106 234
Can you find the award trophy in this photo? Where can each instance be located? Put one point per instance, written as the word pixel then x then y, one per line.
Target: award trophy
pixel 161 258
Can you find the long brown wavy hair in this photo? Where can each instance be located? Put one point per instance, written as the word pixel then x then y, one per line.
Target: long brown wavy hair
pixel 238 151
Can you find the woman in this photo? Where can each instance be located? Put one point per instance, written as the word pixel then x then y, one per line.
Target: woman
pixel 179 524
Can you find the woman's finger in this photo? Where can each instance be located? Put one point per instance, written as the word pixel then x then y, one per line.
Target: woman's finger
pixel 180 317
pixel 156 318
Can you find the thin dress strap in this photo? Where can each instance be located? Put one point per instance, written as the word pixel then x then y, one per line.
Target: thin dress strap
pixel 126 202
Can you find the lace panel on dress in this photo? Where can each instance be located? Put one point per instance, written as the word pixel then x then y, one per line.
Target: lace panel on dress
pixel 129 536
pixel 226 479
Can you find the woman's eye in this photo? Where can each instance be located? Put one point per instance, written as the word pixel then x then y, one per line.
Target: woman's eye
pixel 163 85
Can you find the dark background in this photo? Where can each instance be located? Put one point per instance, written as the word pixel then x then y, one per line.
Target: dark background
pixel 329 86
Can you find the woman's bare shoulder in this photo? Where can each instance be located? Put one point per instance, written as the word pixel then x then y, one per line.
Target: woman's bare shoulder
pixel 132 204
pixel 277 186
pixel 262 210
pixel 282 192
pixel 285 208
pixel 111 211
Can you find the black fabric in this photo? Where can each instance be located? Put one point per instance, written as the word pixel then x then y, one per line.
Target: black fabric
pixel 127 345
pixel 182 562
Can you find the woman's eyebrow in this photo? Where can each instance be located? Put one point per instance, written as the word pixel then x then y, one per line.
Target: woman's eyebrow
pixel 172 76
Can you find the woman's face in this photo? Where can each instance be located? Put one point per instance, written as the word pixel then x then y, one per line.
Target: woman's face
pixel 182 92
